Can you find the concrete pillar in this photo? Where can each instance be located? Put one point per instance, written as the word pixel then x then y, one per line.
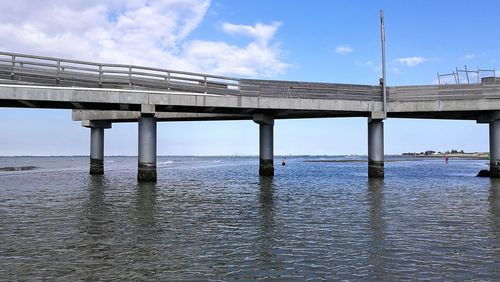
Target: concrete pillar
pixel 147 149
pixel 96 150
pixel 266 156
pixel 266 153
pixel 495 149
pixel 375 148
pixel 96 144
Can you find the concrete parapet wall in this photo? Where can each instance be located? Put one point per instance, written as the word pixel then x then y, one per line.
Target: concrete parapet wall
pixel 403 101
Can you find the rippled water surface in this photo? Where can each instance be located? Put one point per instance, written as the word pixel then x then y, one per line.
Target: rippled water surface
pixel 215 218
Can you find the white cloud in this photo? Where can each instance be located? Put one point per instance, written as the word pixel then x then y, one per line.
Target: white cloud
pixel 223 58
pixel 260 32
pixel 343 49
pixel 469 56
pixel 144 32
pixel 411 61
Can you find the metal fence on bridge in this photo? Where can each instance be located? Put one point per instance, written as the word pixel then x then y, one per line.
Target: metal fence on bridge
pixel 50 71
pixel 63 72
pixel 466 76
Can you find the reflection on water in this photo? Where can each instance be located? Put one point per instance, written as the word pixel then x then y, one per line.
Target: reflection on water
pixel 267 232
pixel 494 197
pixel 216 219
pixel 146 204
pixel 377 227
pixel 266 201
pixel 95 219
pixel 494 200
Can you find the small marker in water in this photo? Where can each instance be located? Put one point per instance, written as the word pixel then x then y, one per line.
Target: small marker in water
pixel 283 162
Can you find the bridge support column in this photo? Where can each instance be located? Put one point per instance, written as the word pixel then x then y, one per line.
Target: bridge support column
pixel 495 149
pixel 266 154
pixel 96 150
pixel 147 149
pixel 375 148
pixel 96 145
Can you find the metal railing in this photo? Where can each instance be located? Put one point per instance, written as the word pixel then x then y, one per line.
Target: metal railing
pixel 465 76
pixel 58 71
pixel 51 71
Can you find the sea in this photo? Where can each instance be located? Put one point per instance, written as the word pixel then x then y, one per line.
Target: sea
pixel 214 218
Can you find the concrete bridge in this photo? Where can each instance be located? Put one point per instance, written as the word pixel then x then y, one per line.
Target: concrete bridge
pixel 101 94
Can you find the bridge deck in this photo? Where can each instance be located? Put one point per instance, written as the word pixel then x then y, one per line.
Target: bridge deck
pixel 44 82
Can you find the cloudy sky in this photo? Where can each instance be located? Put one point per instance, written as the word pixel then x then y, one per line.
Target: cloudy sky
pixel 332 41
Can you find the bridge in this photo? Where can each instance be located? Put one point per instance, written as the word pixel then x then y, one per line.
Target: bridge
pixel 102 94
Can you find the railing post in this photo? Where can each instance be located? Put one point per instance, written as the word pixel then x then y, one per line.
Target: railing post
pixel 130 76
pixel 205 83
pixel 58 70
pixel 168 79
pixel 467 74
pixel 12 75
pixel 100 75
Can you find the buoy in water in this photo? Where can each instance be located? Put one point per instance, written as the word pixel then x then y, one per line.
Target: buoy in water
pixel 283 162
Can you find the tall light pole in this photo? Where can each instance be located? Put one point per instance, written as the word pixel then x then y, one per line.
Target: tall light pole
pixel 384 81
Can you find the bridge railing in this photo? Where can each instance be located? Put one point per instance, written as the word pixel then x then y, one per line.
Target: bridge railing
pixel 50 71
pixel 310 90
pixel 466 76
pixel 448 92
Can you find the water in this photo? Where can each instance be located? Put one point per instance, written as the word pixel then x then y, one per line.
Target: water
pixel 213 218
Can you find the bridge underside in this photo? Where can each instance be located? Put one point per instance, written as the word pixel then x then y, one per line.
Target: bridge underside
pixel 452 115
pixel 116 116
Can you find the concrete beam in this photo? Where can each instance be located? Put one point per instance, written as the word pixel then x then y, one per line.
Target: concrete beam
pixel 352 100
pixel 102 98
pixel 148 109
pixel 133 116
pixel 488 117
pixel 96 123
pixel 78 105
pixel 263 119
pixel 378 115
pixel 27 103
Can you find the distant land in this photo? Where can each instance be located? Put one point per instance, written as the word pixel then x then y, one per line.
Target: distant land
pixel 450 154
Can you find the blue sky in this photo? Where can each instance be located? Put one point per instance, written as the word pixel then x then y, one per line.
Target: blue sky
pixel 331 41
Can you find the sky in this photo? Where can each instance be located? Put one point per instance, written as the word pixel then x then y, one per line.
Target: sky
pixel 325 41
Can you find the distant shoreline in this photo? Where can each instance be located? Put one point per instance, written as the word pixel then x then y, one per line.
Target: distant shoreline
pixel 351 161
pixel 480 156
pixel 408 158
